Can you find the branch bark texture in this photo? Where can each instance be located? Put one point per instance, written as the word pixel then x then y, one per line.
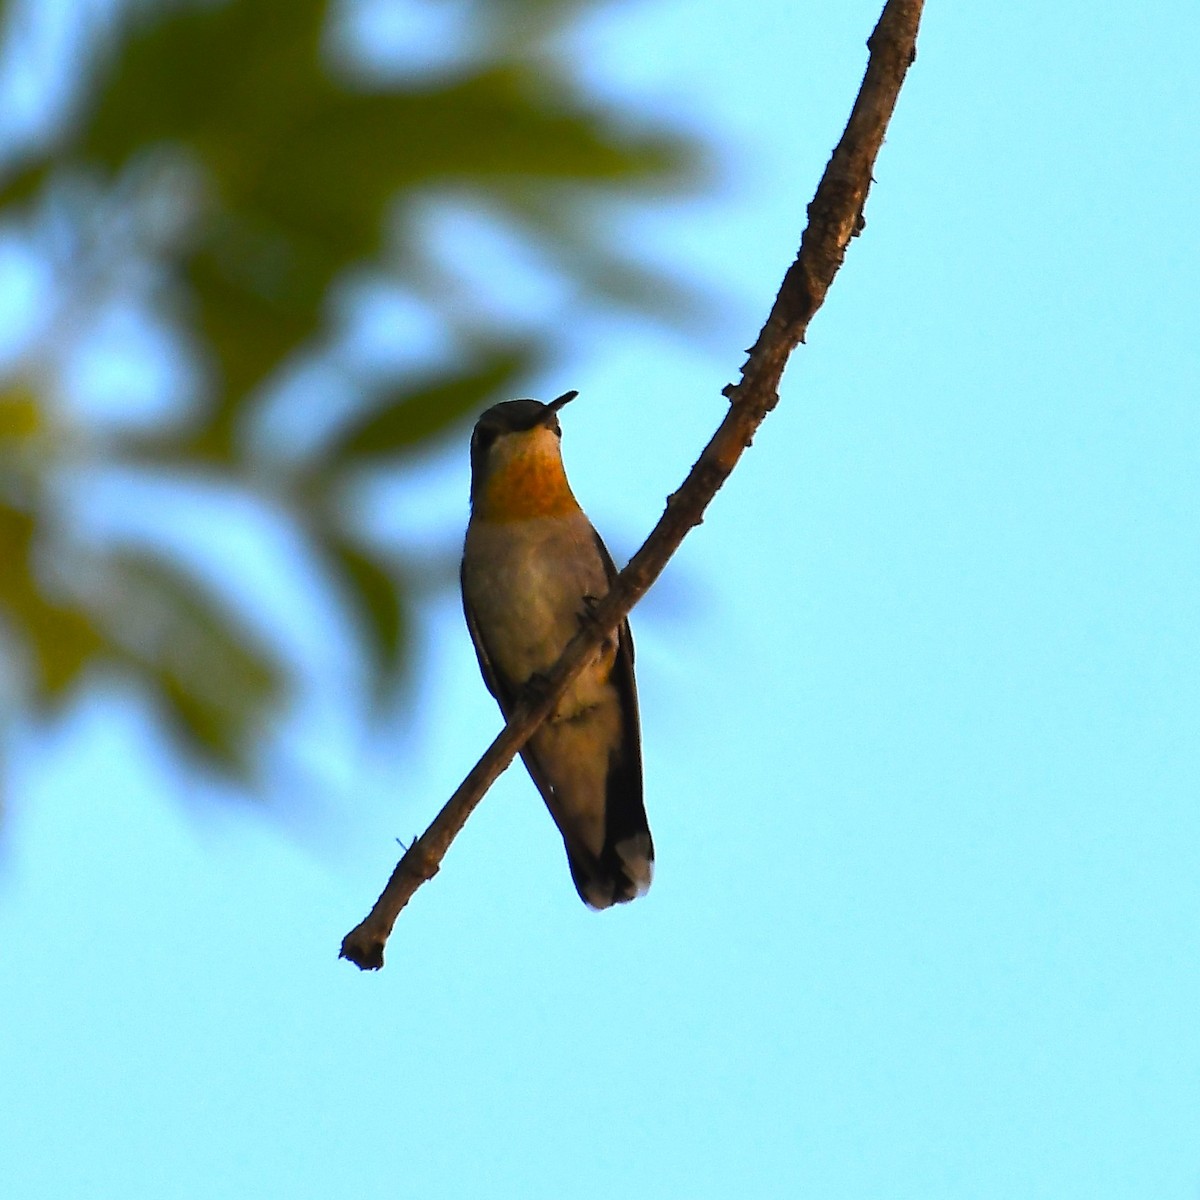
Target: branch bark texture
pixel 835 215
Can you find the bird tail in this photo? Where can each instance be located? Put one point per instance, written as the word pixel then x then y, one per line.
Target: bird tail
pixel 621 872
pixel 623 869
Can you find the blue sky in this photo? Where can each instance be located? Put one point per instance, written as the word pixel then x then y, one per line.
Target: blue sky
pixel 919 703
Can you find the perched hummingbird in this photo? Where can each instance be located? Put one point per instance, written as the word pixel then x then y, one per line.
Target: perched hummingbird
pixel 532 566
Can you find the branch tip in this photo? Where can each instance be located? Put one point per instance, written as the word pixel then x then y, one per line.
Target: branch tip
pixel 365 955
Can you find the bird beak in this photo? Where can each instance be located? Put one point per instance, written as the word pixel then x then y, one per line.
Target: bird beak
pixel 562 401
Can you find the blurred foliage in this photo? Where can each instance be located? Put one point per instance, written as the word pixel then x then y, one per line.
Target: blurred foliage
pixel 221 170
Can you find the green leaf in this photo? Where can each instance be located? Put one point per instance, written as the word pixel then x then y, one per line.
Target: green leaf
pixel 230 71
pixel 216 681
pixel 57 639
pixel 25 181
pixel 431 409
pixel 377 601
pixel 249 328
pixel 21 417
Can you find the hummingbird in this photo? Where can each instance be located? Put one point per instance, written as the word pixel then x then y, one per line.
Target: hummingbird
pixel 532 568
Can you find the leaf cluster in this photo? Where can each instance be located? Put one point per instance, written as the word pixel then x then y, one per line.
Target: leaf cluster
pixel 223 173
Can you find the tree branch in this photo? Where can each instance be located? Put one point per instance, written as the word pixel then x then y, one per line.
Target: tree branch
pixel 834 217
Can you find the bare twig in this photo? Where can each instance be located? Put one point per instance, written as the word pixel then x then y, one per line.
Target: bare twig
pixel 834 217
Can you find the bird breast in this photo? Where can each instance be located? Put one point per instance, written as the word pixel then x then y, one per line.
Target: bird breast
pixel 526 586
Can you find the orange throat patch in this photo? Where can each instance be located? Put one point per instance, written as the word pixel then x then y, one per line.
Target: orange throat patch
pixel 530 484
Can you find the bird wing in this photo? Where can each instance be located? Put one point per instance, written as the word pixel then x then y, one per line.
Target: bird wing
pixel 623 668
pixel 629 816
